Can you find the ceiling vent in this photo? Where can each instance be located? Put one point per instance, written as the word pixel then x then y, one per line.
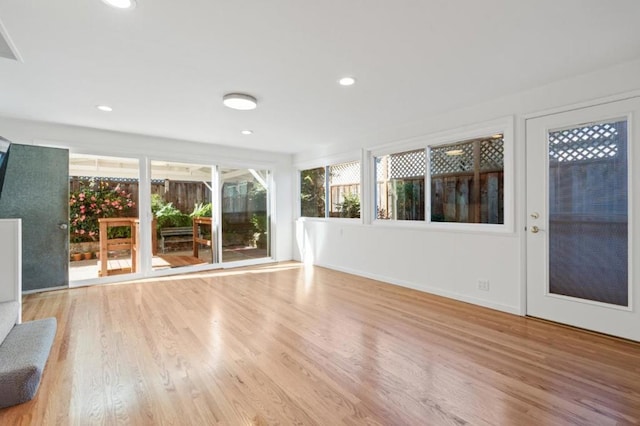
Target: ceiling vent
pixel 7 48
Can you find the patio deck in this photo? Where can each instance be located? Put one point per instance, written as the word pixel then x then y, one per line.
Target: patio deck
pixel 88 269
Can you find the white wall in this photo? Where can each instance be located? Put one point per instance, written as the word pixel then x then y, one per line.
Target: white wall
pixel 102 142
pixel 450 263
pixel 11 262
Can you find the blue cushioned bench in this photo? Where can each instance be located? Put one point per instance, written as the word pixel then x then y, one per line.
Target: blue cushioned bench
pixel 24 349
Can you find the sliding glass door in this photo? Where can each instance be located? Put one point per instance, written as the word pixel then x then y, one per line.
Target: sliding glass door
pixel 200 215
pixel 103 217
pixel 245 214
pixel 181 203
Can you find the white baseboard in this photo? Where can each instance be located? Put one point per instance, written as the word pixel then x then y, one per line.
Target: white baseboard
pixel 427 289
pixel 42 290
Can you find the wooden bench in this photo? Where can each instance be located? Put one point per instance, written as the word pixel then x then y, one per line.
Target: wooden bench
pixel 176 234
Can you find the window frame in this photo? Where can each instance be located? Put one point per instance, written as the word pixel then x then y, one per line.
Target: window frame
pixel 374 183
pixel 505 126
pixel 327 163
pixel 299 192
pixel 328 186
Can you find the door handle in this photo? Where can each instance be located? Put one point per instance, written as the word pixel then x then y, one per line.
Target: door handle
pixel 535 229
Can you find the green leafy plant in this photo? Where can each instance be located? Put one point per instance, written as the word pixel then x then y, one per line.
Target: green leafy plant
pixel 119 232
pixel 350 206
pixel 201 210
pixel 259 222
pixel 312 192
pixel 260 226
pixel 92 201
pixel 169 216
pixel 157 202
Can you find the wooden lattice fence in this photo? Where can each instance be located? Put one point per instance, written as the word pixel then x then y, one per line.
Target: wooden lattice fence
pixel 467 181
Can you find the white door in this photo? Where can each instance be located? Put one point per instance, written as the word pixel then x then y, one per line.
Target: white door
pixel 583 211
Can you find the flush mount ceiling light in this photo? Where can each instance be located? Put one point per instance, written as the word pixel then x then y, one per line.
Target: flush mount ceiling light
pixel 121 4
pixel 239 101
pixel 347 81
pixel 246 132
pixel 104 108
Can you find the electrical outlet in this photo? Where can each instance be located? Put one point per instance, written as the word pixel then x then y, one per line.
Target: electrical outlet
pixel 483 285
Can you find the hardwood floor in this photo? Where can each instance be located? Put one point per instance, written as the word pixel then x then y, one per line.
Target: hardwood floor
pixel 285 344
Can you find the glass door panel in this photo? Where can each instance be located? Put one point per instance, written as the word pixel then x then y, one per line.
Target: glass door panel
pixel 245 214
pixel 181 203
pixel 588 205
pixel 103 216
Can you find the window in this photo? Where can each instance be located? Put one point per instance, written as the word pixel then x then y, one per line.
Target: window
pixel 467 181
pixel 312 192
pixel 245 226
pixel 343 183
pixel 400 186
pixel 181 202
pixel 457 180
pixel 344 187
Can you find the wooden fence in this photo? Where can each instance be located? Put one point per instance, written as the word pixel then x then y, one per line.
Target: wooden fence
pixel 401 199
pixel 458 198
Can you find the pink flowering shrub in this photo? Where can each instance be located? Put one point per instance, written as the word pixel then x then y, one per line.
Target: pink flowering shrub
pixel 92 201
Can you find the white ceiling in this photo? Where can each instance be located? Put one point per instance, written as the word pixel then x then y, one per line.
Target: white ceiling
pixel 165 65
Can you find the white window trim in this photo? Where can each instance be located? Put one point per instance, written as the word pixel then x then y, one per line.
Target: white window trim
pixel 503 125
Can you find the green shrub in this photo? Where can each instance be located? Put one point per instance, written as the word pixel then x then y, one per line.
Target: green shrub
pixel 259 222
pixel 201 210
pixel 157 202
pixel 169 216
pixel 350 206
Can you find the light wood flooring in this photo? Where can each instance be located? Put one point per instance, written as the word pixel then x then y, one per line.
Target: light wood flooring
pixel 284 344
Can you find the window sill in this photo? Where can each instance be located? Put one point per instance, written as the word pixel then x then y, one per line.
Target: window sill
pixel 446 227
pixel 455 227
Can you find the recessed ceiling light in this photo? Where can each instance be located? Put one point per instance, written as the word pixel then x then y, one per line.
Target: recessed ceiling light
pixel 239 101
pixel 246 132
pixel 105 108
pixel 121 4
pixel 347 81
